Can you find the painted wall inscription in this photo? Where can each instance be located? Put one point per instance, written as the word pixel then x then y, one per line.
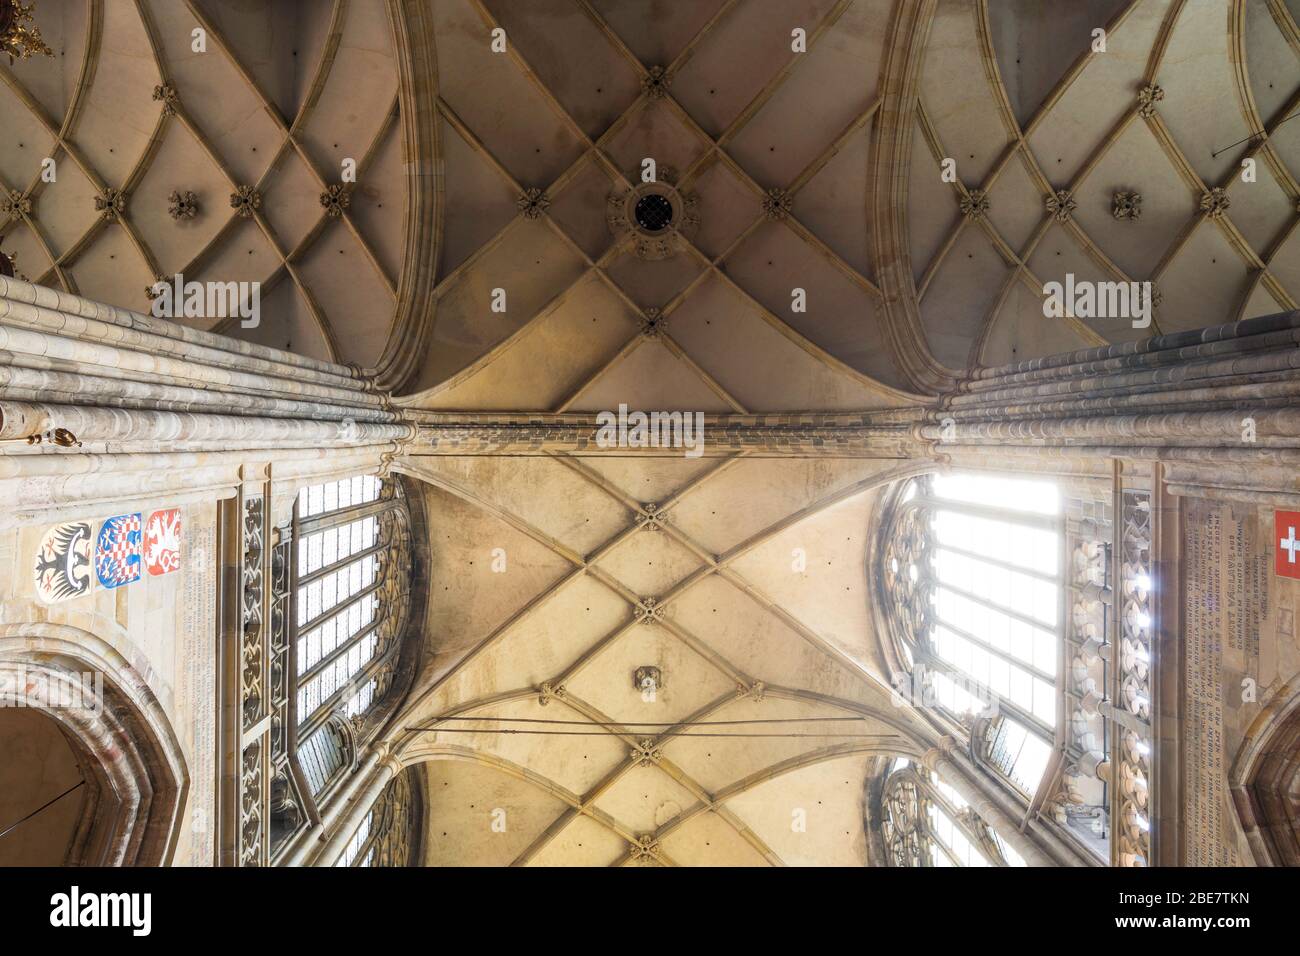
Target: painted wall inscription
pixel 1226 589
pixel 120 552
pixel 162 542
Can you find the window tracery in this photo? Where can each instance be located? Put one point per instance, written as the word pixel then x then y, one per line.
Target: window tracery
pixel 1002 606
pixel 972 572
pixel 352 575
pixel 344 567
pixel 926 823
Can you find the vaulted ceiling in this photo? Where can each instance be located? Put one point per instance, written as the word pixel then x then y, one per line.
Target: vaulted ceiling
pixel 1019 95
pixel 900 287
pixel 279 97
pixel 1015 92
pixel 758 574
pixel 513 283
pixel 747 590
pixel 572 109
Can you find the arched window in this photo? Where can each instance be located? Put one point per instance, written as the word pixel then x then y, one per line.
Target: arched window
pixel 340 577
pixel 925 822
pixel 976 561
pixel 351 577
pixel 999 603
pixel 351 570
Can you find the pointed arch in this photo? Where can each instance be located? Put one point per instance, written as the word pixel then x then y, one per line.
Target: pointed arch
pixel 125 744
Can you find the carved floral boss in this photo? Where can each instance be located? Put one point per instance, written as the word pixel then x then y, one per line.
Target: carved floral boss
pixel 655 216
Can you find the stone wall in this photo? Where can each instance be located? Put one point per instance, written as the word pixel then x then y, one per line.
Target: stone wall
pixel 163 624
pixel 1241 657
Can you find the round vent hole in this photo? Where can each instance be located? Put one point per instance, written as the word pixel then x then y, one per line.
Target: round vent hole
pixel 653 213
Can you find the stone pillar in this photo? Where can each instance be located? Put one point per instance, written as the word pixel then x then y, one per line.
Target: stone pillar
pixel 348 809
pixel 952 768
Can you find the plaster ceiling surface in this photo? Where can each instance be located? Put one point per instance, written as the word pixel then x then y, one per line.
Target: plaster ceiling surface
pixel 751 596
pixel 571 109
pixel 1012 91
pixel 281 95
pixel 1016 93
pixel 748 591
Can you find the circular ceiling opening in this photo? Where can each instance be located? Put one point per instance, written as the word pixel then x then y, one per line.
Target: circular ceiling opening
pixel 653 212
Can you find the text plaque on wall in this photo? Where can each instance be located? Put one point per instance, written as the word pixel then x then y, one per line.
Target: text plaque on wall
pixel 1226 601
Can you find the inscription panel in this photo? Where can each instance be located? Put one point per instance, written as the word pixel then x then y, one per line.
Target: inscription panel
pixel 1226 604
pixel 198 666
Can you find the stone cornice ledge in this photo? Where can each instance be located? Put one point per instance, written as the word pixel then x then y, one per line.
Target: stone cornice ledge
pixel 875 434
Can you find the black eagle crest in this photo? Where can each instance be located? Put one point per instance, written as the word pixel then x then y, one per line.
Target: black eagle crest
pixel 63 563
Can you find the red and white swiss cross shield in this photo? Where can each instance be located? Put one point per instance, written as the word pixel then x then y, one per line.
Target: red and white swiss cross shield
pixel 1286 543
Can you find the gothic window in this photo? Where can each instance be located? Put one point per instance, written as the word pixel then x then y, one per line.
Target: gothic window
pixel 926 823
pixel 973 574
pixel 1005 621
pixel 340 601
pixel 389 835
pixel 351 580
pixel 347 577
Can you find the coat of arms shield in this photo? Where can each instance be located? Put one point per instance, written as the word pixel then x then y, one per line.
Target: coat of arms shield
pixel 118 551
pixel 62 567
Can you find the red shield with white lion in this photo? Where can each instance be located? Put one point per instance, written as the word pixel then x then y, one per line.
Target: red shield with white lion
pixel 162 542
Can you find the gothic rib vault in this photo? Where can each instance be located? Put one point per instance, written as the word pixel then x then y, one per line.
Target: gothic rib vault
pixel 270 106
pixel 1025 108
pixel 781 193
pixel 742 576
